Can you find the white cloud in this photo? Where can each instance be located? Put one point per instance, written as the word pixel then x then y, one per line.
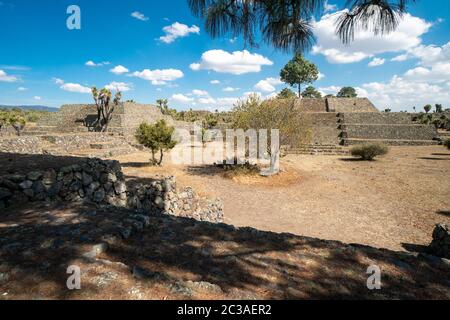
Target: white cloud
pixel 238 62
pixel 178 30
pixel 58 81
pixel 230 89
pixel 181 98
pixel 268 85
pixel 91 63
pixel 7 78
pixel 401 57
pixel 215 82
pixel 159 77
pixel 22 89
pixel 321 76
pixel 208 100
pixel 139 16
pixel 119 86
pixel 75 87
pixel 327 7
pixel 119 70
pixel 37 98
pixel 376 62
pixel 366 45
pixel 200 92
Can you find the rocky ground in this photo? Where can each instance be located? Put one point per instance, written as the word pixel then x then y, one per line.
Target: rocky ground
pixel 176 258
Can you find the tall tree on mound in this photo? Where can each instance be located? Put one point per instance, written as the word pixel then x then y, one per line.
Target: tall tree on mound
pixel 299 71
pixel 347 92
pixel 311 92
pixel 105 108
pixel 287 25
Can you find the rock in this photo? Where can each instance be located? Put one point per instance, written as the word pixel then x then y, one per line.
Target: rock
pixel 26 184
pixel 99 196
pixel 93 187
pixel 440 246
pixel 144 274
pixel 2 204
pixel 204 286
pixel 86 179
pixel 159 202
pixel 5 193
pixel 8 184
pixel 96 250
pixel 181 289
pixel 125 232
pixel 75 186
pixel 120 187
pixel 4 277
pixel 49 177
pixel 38 187
pixel 34 175
pixel 29 193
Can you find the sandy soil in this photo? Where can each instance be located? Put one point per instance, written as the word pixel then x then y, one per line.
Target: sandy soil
pixel 391 203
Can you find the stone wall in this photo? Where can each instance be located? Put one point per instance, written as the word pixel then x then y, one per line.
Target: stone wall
pixel 350 105
pixel 378 118
pixel 311 105
pixel 21 145
pixel 102 182
pixel 324 127
pixel 390 132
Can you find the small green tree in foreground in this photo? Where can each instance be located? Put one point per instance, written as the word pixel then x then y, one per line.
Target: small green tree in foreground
pixel 157 137
pixel 369 151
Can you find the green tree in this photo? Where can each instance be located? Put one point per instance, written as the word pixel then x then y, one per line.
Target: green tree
pixel 428 108
pixel 104 106
pixel 439 108
pixel 3 119
pixel 299 71
pixel 347 92
pixel 311 92
pixel 18 122
pixel 287 25
pixel 286 93
pixel 163 106
pixel 156 137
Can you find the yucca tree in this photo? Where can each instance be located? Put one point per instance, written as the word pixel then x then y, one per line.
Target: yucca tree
pixel 105 109
pixel 287 24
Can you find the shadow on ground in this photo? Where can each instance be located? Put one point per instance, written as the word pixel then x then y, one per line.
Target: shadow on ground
pixel 175 258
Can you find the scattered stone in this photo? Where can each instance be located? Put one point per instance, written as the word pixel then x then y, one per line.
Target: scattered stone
pixel 34 175
pixel 144 274
pixel 5 193
pixel 26 184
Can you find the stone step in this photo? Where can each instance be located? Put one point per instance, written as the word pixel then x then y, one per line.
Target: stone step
pixel 350 142
pixel 103 145
pixel 95 153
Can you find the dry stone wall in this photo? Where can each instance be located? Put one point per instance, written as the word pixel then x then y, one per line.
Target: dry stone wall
pixel 102 182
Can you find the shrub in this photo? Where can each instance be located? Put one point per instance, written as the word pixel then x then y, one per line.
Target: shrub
pixel 235 170
pixel 447 143
pixel 156 137
pixel 369 151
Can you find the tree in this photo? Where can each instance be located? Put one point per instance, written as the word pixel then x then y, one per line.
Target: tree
pixel 428 108
pixel 387 110
pixel 311 92
pixel 439 108
pixel 3 119
pixel 163 105
pixel 286 93
pixel 156 137
pixel 105 109
pixel 347 92
pixel 299 71
pixel 17 122
pixel 287 25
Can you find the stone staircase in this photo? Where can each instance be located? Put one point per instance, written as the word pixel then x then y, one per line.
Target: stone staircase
pixel 315 149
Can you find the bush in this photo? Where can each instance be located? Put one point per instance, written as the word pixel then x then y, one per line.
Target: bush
pixel 235 170
pixel 447 143
pixel 156 137
pixel 369 151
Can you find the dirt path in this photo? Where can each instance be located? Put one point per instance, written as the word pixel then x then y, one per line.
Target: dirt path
pixel 391 203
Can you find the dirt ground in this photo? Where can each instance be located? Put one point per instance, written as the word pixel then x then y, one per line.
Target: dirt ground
pixel 392 203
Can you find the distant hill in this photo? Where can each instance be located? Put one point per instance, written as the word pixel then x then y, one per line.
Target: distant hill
pixel 37 108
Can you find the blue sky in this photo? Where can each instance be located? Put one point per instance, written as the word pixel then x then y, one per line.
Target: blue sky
pixel 163 51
